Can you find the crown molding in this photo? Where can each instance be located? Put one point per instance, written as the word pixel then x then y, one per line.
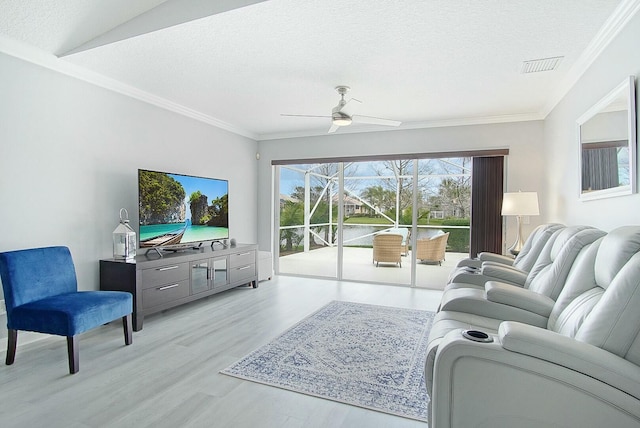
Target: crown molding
pixel 614 24
pixel 358 129
pixel 43 59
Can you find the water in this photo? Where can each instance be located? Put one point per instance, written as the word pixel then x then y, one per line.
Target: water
pixel 205 233
pixel 356 233
pixel 191 234
pixel 153 230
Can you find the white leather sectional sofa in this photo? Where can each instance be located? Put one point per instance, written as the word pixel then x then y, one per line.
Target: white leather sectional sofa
pixel 562 352
pixel 498 266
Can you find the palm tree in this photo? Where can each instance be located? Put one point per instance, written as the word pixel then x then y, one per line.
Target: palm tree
pixel 455 194
pixel 291 213
pixel 379 197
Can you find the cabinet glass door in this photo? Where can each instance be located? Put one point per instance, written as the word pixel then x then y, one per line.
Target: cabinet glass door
pixel 220 272
pixel 199 276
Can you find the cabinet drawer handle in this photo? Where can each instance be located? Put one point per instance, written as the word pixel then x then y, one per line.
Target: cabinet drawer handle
pixel 167 268
pixel 244 267
pixel 166 287
pixel 244 254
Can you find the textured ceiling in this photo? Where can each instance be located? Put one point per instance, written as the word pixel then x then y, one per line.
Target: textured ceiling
pixel 422 62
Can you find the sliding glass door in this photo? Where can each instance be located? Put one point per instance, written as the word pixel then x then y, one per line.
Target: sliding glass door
pixel 377 201
pixel 442 226
pixel 308 213
pixel 333 219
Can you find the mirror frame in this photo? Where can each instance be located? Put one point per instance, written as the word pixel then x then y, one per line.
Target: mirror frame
pixel 626 87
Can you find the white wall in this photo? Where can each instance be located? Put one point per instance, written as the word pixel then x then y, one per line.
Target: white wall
pixel 69 155
pixel 618 61
pixel 524 164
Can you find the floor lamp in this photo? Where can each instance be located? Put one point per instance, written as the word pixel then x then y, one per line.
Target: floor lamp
pixel 519 204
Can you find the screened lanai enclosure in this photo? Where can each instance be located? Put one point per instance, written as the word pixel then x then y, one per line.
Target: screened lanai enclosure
pixel 328 216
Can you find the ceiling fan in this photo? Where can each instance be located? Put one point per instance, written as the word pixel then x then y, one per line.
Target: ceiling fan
pixel 342 114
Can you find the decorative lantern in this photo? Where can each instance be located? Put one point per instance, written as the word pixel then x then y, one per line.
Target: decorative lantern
pixel 124 239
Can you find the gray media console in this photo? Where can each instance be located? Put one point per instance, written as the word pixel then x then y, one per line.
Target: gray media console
pixel 158 283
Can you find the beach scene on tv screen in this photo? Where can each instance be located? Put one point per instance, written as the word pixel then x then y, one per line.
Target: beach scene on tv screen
pixel 178 209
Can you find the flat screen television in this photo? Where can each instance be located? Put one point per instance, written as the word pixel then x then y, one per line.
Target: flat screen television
pixel 178 211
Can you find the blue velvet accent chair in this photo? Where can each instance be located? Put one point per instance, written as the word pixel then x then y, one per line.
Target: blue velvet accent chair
pixel 41 294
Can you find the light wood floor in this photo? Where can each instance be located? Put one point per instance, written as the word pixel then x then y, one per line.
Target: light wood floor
pixel 169 376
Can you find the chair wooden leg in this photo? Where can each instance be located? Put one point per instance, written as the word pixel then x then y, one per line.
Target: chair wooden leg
pixel 72 350
pixel 12 343
pixel 127 325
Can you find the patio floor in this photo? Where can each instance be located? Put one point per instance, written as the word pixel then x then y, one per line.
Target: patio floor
pixel 358 266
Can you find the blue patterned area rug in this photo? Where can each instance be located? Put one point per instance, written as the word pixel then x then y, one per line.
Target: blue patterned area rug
pixel 365 355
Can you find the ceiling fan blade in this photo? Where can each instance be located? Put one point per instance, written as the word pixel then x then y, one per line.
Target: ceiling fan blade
pixel 303 115
pixel 333 129
pixel 350 107
pixel 375 120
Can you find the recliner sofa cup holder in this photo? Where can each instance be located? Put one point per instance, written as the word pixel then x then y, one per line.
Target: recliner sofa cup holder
pixel 477 336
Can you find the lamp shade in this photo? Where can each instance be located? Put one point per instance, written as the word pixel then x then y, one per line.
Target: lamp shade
pixel 520 203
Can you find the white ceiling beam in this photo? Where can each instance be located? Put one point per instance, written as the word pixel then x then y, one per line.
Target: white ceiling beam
pixel 165 15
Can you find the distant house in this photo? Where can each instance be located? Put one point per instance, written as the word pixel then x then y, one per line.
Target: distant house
pixel 353 206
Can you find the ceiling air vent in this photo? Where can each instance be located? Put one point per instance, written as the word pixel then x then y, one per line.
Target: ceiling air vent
pixel 538 65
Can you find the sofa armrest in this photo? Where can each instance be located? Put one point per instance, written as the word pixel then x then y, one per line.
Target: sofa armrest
pixel 504 273
pixel 466 277
pixel 498 258
pixel 571 354
pixel 485 384
pixel 519 297
pixel 469 263
pixel 474 301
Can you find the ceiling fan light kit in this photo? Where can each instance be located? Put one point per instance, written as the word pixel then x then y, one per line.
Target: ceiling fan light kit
pixel 342 114
pixel 341 119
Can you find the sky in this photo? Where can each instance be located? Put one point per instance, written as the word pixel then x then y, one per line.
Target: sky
pixel 289 178
pixel 211 187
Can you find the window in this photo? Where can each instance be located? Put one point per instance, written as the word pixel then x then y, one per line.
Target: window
pixel 329 213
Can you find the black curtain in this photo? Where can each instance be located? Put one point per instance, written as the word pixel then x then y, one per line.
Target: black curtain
pixel 486 203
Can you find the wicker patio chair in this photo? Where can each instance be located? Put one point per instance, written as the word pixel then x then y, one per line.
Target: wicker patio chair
pixel 406 237
pixel 432 249
pixel 387 248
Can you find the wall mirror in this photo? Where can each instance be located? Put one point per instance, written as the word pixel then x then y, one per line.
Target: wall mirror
pixel 607 138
